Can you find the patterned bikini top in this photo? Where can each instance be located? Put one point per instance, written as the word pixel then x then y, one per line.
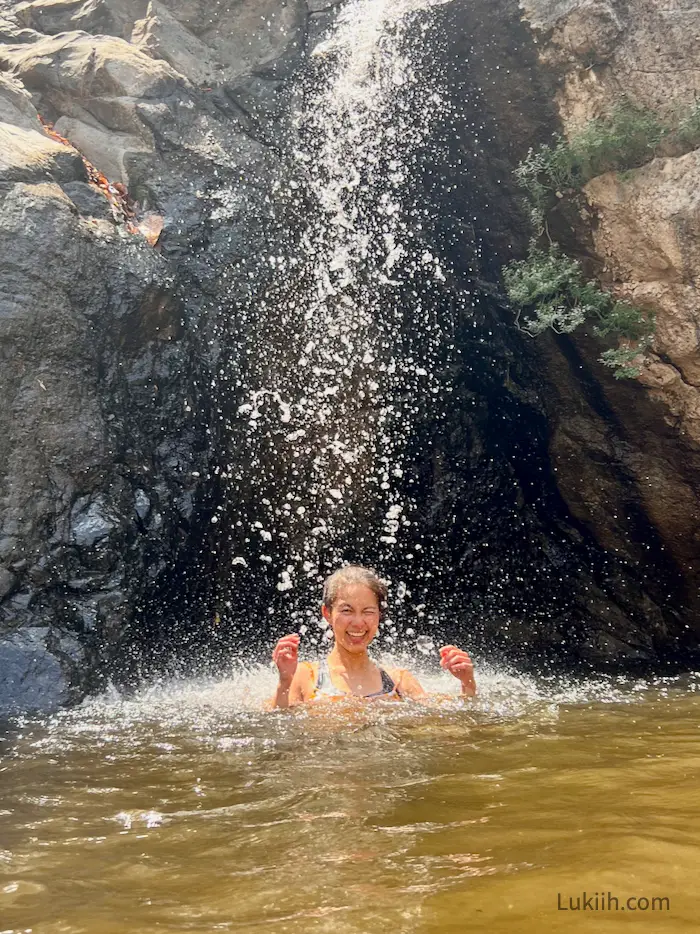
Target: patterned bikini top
pixel 325 688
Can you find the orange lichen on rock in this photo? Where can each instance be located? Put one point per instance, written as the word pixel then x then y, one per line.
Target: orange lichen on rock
pixel 124 209
pixel 151 227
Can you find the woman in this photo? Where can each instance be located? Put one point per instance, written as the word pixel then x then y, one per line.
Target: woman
pixel 353 602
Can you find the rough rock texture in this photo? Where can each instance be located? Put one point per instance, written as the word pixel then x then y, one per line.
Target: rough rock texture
pixel 644 235
pixel 103 430
pixel 603 50
pixel 92 409
pixel 537 454
pixel 648 231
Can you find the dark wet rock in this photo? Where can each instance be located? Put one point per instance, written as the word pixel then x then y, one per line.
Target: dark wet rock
pixel 32 676
pixel 88 199
pixel 142 504
pixel 103 443
pixel 165 37
pixel 623 482
pixel 92 521
pixel 322 6
pixel 88 390
pixel 320 25
pixel 8 544
pixel 8 583
pixel 220 44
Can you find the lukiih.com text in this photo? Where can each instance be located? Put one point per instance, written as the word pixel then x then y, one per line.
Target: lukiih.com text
pixel 606 901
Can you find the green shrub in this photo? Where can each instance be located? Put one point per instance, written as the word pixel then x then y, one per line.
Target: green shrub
pixel 624 139
pixel 550 290
pixel 621 359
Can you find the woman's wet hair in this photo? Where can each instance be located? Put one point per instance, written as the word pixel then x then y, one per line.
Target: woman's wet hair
pixel 350 575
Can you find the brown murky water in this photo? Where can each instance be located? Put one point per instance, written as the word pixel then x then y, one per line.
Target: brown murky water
pixel 187 809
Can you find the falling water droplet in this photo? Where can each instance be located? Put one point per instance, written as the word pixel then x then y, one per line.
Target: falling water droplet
pixel 425 645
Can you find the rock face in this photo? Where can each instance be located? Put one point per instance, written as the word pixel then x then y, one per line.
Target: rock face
pixel 603 50
pixel 92 410
pixel 108 337
pixel 649 233
pixel 103 432
pixel 644 233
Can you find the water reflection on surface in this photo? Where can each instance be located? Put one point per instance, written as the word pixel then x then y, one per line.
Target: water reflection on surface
pixel 188 809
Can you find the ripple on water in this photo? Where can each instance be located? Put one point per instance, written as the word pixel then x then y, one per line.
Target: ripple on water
pixel 187 807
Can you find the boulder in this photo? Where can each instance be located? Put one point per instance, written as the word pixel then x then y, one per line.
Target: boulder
pixel 31 156
pixel 76 63
pixel 163 36
pixel 220 45
pixel 108 150
pixel 32 676
pixel 16 104
pixel 52 17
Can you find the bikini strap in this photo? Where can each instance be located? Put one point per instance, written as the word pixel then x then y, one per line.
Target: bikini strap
pixel 388 686
pixel 324 684
pixel 388 683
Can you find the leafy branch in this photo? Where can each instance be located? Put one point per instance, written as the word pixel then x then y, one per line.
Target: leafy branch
pixel 548 286
pixel 549 291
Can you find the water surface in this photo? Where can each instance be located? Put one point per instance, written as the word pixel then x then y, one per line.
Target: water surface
pixel 188 809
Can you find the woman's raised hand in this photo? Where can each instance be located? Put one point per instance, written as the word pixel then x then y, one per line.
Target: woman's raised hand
pixel 458 663
pixel 286 656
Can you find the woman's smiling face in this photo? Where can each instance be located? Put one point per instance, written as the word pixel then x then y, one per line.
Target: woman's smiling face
pixel 354 617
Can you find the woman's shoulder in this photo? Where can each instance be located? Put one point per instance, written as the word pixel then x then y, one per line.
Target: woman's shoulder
pixel 307 669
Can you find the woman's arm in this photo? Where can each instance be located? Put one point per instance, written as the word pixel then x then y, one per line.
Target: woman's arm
pixel 297 691
pixel 452 659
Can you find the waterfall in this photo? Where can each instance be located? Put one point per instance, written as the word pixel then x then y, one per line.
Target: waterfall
pixel 341 334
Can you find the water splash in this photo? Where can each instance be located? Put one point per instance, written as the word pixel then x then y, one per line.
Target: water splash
pixel 342 334
pixel 209 705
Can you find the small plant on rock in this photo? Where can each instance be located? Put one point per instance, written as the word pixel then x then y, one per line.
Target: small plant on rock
pixel 550 290
pixel 625 139
pixel 622 359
